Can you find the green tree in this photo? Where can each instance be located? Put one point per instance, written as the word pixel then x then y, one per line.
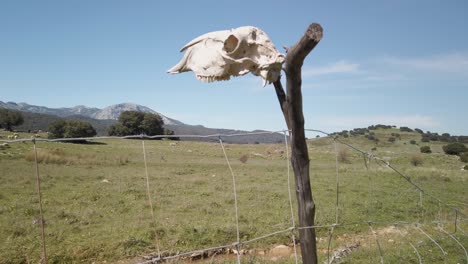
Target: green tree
pixel 9 119
pixel 152 125
pixel 77 129
pixel 170 133
pixel 137 123
pixel 56 129
pixel 70 129
pixel 425 149
pixel 455 148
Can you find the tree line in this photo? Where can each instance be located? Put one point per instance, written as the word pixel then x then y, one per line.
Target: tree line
pixel 129 123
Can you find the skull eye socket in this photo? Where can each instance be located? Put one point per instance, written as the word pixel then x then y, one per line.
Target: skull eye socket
pixel 231 43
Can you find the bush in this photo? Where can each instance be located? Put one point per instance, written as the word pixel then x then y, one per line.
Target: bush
pixel 343 156
pixel 391 139
pixel 466 167
pixel 425 149
pixel 405 129
pixel 416 160
pixel 455 148
pixel 425 139
pixel 412 142
pixel 70 129
pixel 464 157
pixel 244 158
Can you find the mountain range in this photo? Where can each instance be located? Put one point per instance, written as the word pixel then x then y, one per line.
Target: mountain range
pixel 39 118
pixel 111 112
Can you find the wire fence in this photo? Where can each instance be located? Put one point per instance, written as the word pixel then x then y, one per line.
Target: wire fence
pixel 452 219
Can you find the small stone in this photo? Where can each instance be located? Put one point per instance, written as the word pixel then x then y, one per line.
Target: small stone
pixel 281 251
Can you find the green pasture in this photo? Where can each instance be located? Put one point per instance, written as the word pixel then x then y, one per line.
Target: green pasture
pixel 96 207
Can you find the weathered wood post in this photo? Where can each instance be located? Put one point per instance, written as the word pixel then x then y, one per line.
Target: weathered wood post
pixel 291 105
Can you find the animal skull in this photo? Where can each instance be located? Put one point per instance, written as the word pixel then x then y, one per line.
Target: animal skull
pixel 218 55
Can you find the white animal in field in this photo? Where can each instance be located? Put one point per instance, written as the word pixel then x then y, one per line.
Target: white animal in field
pixel 218 55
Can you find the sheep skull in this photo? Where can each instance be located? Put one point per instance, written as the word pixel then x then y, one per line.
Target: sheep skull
pixel 218 55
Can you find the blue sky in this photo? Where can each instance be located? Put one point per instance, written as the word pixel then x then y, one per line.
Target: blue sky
pixel 401 63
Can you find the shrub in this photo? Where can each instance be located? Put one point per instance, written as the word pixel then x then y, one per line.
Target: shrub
pixel 455 148
pixel 412 142
pixel 464 157
pixel 425 149
pixel 466 167
pixel 244 158
pixel 405 129
pixel 343 156
pixel 416 160
pixel 391 139
pixel 419 130
pixel 425 139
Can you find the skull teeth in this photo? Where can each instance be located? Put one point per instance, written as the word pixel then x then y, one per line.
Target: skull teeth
pixel 212 78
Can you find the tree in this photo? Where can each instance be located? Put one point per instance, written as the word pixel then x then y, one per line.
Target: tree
pixel 425 149
pixel 9 119
pixel 137 123
pixel 56 129
pixel 405 129
pixel 77 129
pixel 455 148
pixel 70 129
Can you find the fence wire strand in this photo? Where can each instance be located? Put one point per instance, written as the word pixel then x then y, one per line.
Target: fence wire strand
pixel 235 198
pixel 444 253
pixel 411 244
pixel 457 241
pixel 150 202
pixel 377 241
pixel 293 222
pixel 39 196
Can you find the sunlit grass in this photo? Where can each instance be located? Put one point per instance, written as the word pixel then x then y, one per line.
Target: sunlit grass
pixel 96 209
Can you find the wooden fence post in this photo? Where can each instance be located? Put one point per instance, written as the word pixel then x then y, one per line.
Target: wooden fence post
pixel 291 106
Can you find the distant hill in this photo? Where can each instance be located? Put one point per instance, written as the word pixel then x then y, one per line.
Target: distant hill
pixel 269 138
pixel 40 117
pixel 110 112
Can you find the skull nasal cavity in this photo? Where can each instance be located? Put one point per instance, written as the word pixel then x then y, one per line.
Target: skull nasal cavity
pixel 230 44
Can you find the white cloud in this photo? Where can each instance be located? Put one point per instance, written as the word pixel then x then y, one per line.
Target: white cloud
pixel 446 63
pixel 341 66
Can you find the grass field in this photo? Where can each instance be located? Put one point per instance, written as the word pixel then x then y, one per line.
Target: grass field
pixel 96 208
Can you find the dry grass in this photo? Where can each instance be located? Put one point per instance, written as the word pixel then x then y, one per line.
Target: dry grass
pixel 343 156
pixel 244 158
pixel 416 160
